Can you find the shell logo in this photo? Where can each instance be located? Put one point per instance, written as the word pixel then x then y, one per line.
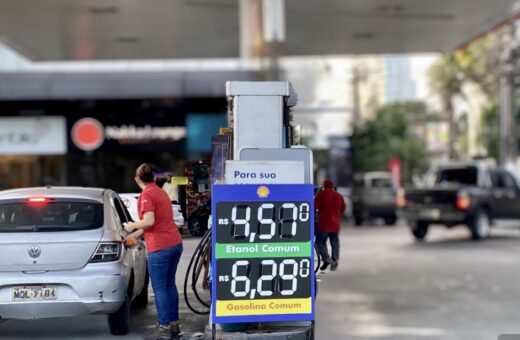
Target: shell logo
pixel 88 134
pixel 263 191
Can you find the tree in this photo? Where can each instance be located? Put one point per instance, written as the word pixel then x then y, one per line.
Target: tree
pixel 389 135
pixel 476 63
pixel 446 79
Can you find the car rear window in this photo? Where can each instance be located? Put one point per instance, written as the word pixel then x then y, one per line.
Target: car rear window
pixel 51 216
pixel 465 175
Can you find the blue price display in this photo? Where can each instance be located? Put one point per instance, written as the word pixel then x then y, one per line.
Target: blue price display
pixel 263 259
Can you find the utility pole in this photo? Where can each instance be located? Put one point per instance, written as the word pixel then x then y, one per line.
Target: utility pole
pixel 507 137
pixel 355 83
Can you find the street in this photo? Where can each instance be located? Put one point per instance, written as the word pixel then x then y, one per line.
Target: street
pixel 386 287
pixel 390 287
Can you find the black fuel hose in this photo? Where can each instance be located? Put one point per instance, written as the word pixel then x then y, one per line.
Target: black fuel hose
pixel 195 258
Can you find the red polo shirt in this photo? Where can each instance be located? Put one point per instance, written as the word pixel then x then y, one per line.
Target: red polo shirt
pixel 164 233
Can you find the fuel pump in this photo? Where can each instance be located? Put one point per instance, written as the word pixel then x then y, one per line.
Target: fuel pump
pixel 258 258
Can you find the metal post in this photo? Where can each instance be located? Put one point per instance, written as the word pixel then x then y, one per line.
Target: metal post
pixel 356 82
pixel 508 144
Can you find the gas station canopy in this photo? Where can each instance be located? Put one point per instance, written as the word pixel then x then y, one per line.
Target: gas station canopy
pixel 164 29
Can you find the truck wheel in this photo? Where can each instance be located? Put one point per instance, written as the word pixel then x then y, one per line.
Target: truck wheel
pixel 419 230
pixel 118 321
pixel 390 220
pixel 480 225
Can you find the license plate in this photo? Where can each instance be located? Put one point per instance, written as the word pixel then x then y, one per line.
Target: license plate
pixel 34 293
pixel 433 214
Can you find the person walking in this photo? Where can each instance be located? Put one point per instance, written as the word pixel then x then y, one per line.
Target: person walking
pixel 164 245
pixel 329 205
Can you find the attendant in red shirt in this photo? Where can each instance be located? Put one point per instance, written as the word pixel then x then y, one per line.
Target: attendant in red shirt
pixel 330 205
pixel 164 244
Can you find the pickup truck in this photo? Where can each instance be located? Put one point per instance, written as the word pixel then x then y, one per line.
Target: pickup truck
pixel 471 194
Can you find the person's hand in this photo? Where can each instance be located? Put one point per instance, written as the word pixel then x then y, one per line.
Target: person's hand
pixel 129 227
pixel 130 241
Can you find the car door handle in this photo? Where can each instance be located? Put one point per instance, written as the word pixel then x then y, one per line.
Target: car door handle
pixel 511 195
pixel 498 194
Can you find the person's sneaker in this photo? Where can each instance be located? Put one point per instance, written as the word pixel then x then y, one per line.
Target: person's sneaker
pixel 325 264
pixel 334 265
pixel 175 329
pixel 160 333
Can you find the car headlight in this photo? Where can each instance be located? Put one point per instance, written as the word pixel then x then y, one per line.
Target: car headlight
pixel 107 252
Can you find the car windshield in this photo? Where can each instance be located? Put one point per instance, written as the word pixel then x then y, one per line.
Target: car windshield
pixel 466 175
pixel 52 216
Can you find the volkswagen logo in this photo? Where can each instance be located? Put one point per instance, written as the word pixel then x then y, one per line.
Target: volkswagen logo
pixel 34 251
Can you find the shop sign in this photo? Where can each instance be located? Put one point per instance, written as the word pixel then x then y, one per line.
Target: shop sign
pixel 33 136
pixel 89 134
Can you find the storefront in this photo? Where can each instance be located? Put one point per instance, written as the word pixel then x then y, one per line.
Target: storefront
pixel 32 151
pixel 101 142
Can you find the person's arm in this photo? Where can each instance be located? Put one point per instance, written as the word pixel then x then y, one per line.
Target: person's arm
pixel 136 234
pixel 147 222
pixel 343 205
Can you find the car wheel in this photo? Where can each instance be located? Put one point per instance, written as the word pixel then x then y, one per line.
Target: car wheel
pixel 141 300
pixel 196 227
pixel 480 225
pixel 118 321
pixel 419 230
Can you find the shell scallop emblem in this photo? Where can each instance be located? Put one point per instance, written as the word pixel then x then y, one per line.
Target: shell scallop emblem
pixel 262 191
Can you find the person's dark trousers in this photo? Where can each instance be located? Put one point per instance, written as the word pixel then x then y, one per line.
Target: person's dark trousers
pixel 321 241
pixel 162 266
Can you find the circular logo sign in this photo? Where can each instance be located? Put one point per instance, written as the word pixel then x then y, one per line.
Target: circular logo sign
pixel 262 191
pixel 88 134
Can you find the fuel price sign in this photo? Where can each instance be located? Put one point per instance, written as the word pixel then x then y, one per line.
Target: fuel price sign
pixel 263 255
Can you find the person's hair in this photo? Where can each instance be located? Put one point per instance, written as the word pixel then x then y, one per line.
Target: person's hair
pixel 145 173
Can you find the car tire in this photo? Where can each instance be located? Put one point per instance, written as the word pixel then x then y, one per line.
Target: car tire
pixel 141 300
pixel 118 321
pixel 419 230
pixel 390 220
pixel 480 225
pixel 196 227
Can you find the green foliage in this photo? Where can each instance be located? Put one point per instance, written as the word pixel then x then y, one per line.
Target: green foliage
pixel 446 78
pixel 389 135
pixel 476 63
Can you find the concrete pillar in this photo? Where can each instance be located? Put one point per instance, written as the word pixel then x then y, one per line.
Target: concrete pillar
pixel 251 32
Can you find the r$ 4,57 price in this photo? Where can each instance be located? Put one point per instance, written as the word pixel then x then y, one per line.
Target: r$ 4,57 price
pixel 265 220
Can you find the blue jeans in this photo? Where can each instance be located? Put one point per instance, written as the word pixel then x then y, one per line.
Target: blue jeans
pixel 321 241
pixel 162 266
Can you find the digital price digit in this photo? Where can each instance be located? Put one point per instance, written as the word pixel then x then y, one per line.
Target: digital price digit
pixel 273 277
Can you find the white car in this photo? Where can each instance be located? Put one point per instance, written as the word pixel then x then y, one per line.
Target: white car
pixel 130 201
pixel 63 255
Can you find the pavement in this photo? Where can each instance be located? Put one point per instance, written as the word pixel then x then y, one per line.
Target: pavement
pixel 387 287
pixel 390 287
